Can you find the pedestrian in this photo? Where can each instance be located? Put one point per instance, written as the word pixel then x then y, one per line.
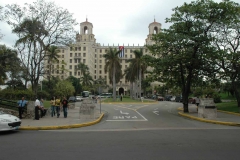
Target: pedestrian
pixel 41 108
pixel 21 105
pixel 121 97
pixel 52 102
pixel 65 106
pixel 57 105
pixel 197 101
pixel 37 106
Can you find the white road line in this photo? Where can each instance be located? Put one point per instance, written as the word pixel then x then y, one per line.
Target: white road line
pixel 141 115
pixel 127 120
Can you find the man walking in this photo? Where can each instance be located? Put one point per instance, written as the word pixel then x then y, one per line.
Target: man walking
pixel 21 104
pixel 65 106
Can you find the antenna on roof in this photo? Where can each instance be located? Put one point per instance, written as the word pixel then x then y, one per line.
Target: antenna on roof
pixel 86 18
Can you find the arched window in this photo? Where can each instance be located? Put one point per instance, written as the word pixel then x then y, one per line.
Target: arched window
pixel 85 30
pixel 155 30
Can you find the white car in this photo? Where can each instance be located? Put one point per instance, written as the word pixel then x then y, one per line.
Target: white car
pixel 79 98
pixel 9 122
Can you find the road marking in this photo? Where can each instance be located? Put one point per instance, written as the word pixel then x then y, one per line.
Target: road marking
pixel 124 113
pixel 156 112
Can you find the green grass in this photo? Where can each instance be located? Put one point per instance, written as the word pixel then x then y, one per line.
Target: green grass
pixel 127 100
pixel 228 106
pixel 226 96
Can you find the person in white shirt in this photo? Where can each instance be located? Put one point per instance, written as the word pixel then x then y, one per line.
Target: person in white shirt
pixel 37 106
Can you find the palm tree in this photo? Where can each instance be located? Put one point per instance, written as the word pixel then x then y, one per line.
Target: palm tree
pixel 131 77
pixel 83 68
pixel 112 66
pixel 86 79
pixel 52 54
pixel 138 66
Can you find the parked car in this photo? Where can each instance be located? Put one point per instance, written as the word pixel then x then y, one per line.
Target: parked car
pixel 178 99
pixel 72 99
pixel 192 100
pixel 160 98
pixel 9 122
pixel 168 98
pixel 173 98
pixel 79 98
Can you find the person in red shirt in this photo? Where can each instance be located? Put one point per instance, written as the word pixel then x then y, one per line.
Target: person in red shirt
pixel 65 106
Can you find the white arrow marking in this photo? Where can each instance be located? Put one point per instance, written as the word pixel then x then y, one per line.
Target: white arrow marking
pixel 128 117
pixel 155 112
pixel 123 112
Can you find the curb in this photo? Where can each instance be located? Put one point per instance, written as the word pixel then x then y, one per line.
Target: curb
pixel 237 114
pixel 63 126
pixel 209 121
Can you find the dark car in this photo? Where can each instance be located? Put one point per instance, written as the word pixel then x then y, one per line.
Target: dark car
pixel 72 99
pixel 168 98
pixel 178 99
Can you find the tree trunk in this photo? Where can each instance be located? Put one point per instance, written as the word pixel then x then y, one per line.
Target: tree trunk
pixel 114 84
pixel 140 83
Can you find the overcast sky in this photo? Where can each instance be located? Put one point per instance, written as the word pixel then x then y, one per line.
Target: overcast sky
pixel 114 21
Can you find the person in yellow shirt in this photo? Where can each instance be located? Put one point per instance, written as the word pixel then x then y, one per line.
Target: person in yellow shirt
pixel 53 109
pixel 57 105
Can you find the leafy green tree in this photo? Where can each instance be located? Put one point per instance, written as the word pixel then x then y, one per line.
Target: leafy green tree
pixel 9 63
pixel 83 68
pixel 185 48
pixel 227 42
pixel 48 25
pixel 64 88
pixel 112 66
pixel 76 84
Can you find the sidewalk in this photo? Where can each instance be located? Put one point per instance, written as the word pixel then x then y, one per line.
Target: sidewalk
pixel 73 120
pixel 224 118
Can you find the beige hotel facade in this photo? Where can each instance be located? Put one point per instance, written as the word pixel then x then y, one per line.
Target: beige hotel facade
pixel 86 50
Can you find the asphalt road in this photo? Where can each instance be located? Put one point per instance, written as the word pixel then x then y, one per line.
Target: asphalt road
pixel 138 132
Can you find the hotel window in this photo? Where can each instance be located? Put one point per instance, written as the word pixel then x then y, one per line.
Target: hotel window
pixel 70 60
pixel 84 48
pixel 100 56
pixel 130 56
pixel 75 48
pixel 95 71
pixel 70 54
pixel 70 48
pixel 62 51
pixel 78 60
pixel 75 54
pixel 95 55
pixel 95 61
pixel 62 61
pixel 100 61
pixel 130 51
pixel 79 54
pixel 75 60
pixel 70 67
pixel 100 72
pixel 62 72
pixel 100 66
pixel 125 56
pixel 125 66
pixel 79 73
pixel 84 60
pixel 75 73
pixel 79 48
pixel 100 50
pixel 95 66
pixel 57 71
pixel 84 54
pixel 146 50
pixel 95 77
pixel 62 56
pixel 125 50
